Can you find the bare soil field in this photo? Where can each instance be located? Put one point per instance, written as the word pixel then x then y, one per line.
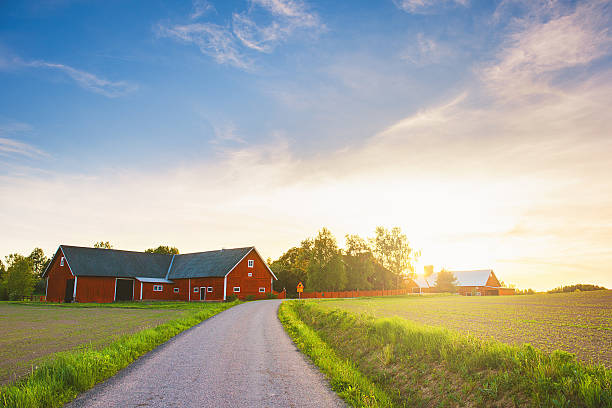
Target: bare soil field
pixel 579 323
pixel 31 333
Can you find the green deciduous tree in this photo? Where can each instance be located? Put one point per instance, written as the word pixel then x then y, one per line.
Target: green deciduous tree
pixel 39 261
pixel 446 281
pixel 392 249
pixel 360 263
pixel 292 268
pixel 18 280
pixel 103 245
pixel 163 249
pixel 326 271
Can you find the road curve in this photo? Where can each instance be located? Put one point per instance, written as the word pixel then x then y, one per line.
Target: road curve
pixel 241 357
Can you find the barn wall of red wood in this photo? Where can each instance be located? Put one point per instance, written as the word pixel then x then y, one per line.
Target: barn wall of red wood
pixel 249 285
pixel 95 289
pixel 57 277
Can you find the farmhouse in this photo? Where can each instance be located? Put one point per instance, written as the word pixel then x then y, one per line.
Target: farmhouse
pixel 79 274
pixel 469 283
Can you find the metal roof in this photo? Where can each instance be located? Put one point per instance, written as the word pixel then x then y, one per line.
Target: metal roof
pixel 153 280
pixel 206 264
pixel 472 278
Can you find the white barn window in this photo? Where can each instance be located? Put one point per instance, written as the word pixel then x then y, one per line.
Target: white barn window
pixel 176 290
pixel 236 289
pixel 262 290
pixel 209 289
pixel 250 274
pixel 158 288
pixel 251 263
pixel 62 261
pixel 195 290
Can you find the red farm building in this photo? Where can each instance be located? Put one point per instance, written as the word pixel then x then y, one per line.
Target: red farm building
pixel 469 283
pixel 79 274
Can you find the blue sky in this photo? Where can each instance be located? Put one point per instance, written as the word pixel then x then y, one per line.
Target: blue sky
pixel 481 128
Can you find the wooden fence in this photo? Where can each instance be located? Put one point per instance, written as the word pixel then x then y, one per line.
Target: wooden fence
pixel 354 293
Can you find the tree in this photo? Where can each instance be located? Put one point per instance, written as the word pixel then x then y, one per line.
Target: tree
pixel 18 280
pixel 326 270
pixel 392 250
pixel 359 263
pixel 292 267
pixel 39 262
pixel 3 293
pixel 163 249
pixel 103 245
pixel 446 281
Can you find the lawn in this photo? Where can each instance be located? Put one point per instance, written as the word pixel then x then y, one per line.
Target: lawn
pixel 31 332
pixel 579 323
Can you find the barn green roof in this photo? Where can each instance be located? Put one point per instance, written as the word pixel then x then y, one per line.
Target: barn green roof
pixel 85 261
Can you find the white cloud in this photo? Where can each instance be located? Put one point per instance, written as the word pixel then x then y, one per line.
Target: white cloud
pixel 89 81
pixel 229 45
pixel 425 51
pixel 10 147
pixel 200 8
pixel 213 40
pixel 536 51
pixel 426 6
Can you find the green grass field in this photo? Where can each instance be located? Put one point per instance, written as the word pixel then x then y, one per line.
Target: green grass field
pixel 392 361
pixel 579 323
pixel 31 332
pixel 77 346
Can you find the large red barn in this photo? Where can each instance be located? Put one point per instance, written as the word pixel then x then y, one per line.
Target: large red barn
pixel 79 274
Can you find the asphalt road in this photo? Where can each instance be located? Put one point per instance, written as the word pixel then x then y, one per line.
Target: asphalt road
pixel 241 357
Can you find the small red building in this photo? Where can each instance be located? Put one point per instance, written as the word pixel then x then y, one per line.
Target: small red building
pixel 469 283
pixel 79 274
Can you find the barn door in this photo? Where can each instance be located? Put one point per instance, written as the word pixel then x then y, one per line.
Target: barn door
pixel 203 293
pixel 125 289
pixel 69 291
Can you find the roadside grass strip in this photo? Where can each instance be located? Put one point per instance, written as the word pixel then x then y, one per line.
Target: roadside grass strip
pixel 425 366
pixel 67 374
pixel 345 379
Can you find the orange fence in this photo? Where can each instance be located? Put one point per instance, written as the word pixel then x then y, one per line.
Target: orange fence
pixel 354 293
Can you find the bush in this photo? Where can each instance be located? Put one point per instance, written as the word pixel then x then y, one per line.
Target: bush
pixel 250 297
pixel 271 296
pixel 231 298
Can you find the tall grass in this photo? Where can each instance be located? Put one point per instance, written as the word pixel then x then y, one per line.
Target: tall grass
pixel 67 374
pixel 428 366
pixel 345 379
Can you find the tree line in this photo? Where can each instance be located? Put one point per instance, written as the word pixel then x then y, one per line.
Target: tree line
pixel 376 263
pixel 22 275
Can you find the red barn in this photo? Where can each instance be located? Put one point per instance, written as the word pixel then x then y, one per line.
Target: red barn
pixel 469 283
pixel 79 274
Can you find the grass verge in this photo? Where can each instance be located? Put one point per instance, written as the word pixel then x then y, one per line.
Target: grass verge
pixel 67 374
pixel 424 366
pixel 345 379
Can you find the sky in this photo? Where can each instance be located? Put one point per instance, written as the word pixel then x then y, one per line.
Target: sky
pixel 482 128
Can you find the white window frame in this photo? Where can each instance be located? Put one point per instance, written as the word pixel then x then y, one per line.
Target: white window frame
pixel 209 289
pixel 176 290
pixel 250 274
pixel 262 290
pixel 62 261
pixel 158 288
pixel 196 289
pixel 251 263
pixel 236 291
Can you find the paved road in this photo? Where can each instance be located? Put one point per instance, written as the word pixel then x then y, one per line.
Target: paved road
pixel 239 358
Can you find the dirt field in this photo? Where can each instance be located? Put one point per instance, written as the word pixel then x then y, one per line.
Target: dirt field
pixel 30 333
pixel 579 323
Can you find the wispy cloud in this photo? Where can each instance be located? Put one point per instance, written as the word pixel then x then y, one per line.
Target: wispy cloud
pixel 200 8
pixel 10 147
pixel 212 40
pixel 426 6
pixel 547 41
pixel 89 81
pixel 229 45
pixel 425 51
